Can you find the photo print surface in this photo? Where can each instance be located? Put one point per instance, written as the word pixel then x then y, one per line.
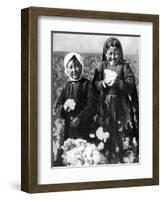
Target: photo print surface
pixel 94 99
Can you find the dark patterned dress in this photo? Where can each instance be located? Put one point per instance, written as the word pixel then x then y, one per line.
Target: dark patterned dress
pixel 117 105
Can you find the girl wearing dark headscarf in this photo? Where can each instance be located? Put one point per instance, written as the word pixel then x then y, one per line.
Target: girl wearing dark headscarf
pixel 114 86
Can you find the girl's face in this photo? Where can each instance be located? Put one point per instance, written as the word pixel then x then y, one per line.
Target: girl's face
pixel 113 55
pixel 74 69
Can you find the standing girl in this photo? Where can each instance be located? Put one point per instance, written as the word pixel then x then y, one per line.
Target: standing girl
pixel 75 100
pixel 114 86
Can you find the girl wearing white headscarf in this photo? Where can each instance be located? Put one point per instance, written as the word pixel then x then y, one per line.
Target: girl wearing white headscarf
pixel 75 101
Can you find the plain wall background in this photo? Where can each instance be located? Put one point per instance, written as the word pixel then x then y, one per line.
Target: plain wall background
pixel 10 85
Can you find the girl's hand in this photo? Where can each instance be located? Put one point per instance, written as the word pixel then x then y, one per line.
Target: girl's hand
pixel 110 83
pixel 68 109
pixel 75 122
pixel 115 82
pixel 106 82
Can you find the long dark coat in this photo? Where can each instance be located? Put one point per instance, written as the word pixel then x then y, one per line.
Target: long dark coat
pixel 81 92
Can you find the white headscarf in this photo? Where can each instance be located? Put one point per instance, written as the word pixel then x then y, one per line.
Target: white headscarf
pixel 67 58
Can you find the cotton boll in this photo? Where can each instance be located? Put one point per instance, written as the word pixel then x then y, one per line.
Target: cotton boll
pixel 81 148
pixel 70 103
pixel 106 135
pixel 93 146
pixel 99 133
pixel 87 152
pixel 110 76
pixel 134 142
pixel 100 136
pixel 126 160
pixel 68 144
pixel 130 124
pixel 99 130
pixel 59 126
pixel 126 143
pixel 96 157
pixel 64 159
pixel 71 158
pixel 79 152
pixel 131 156
pixel 92 135
pixel 80 142
pixel 65 106
pixel 100 146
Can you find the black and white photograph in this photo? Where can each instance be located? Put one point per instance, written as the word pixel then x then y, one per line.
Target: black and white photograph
pixel 94 99
pixel 90 99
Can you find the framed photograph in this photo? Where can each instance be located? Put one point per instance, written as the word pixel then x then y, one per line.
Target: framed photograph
pixel 89 99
